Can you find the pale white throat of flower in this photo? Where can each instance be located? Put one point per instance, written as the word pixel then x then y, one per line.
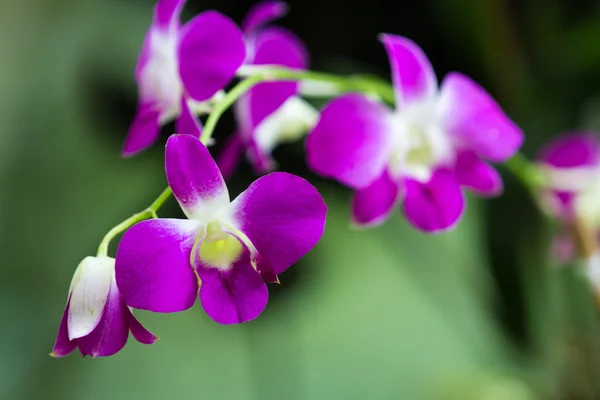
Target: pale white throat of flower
pixel 587 202
pixel 160 76
pixel 289 123
pixel 88 293
pixel 420 142
pixel 214 244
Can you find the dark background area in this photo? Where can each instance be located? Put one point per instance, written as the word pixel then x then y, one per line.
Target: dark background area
pixel 478 313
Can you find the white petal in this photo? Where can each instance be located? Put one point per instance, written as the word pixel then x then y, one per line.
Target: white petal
pixel 289 123
pixel 593 270
pixel 587 205
pixel 89 291
pixel 571 179
pixel 160 82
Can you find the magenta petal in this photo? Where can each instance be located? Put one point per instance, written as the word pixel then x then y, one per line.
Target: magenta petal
pixel 194 177
pixel 153 268
pixel 211 49
pixel 144 130
pixel 166 13
pixel 273 46
pixel 233 296
pixel 577 149
pixel 138 331
pixel 263 13
pixel 351 141
pixel 283 216
pixel 412 73
pixel 434 206
pixel 372 205
pixel 477 175
pixel 110 335
pixel 187 123
pixel 230 155
pixel 63 346
pixel 476 121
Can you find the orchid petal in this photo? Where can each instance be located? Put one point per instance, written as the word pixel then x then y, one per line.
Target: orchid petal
pixel 232 293
pixel 165 24
pixel 477 175
pixel 230 155
pixel 187 123
pixel 153 267
pixel 144 130
pixel 138 331
pixel 194 177
pixel 412 74
pixel 575 149
pixel 352 140
pixel 110 335
pixel 263 13
pixel 167 12
pixel 63 346
pixel 283 216
pixel 211 48
pixel 89 293
pixel 273 46
pixel 476 121
pixel 434 206
pixel 372 205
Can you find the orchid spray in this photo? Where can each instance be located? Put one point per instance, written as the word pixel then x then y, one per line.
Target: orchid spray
pixel 416 145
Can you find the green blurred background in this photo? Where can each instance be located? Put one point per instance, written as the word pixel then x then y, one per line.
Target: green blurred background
pixel 478 313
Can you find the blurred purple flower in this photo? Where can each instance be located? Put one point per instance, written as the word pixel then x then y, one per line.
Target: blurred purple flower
pixel 571 166
pixel 269 113
pixel 96 319
pixel 422 153
pixel 179 69
pixel 225 249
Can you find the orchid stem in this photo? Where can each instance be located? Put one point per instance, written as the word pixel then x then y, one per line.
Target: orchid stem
pixel 353 83
pixel 531 176
pixel 227 101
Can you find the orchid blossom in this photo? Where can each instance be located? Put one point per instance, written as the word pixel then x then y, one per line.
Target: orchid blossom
pixel 179 69
pixel 571 166
pixel 226 250
pixel 422 153
pixel 96 319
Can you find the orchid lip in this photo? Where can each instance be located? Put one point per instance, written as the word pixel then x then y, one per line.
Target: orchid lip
pixel 420 143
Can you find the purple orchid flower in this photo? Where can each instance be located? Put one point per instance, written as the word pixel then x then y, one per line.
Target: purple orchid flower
pixel 179 69
pixel 225 249
pixel 423 152
pixel 269 113
pixel 96 319
pixel 571 165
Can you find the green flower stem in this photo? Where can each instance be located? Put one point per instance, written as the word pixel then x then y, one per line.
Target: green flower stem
pixel 226 102
pixel 353 83
pixel 529 174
